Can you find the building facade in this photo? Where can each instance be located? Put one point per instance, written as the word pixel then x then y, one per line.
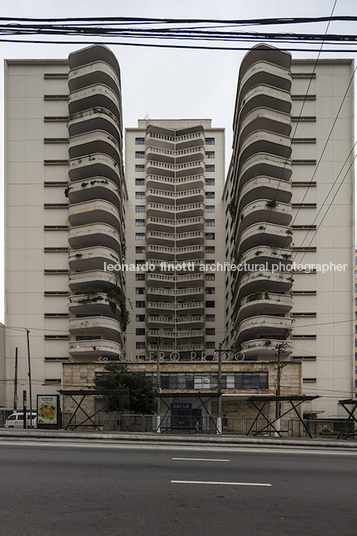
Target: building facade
pixel 64 215
pixel 101 267
pixel 290 211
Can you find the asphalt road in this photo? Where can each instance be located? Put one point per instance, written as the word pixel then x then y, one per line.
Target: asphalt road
pixel 81 488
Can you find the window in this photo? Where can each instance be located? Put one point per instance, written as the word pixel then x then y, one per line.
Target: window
pixel 210 345
pixel 139 182
pixel 210 154
pixel 210 331
pixel 210 236
pixel 210 304
pixel 210 223
pixel 139 263
pixel 139 208
pixel 140 249
pixel 140 223
pixel 140 290
pixel 140 345
pixel 210 141
pixel 210 167
pixel 139 236
pixel 309 380
pixel 210 261
pixel 210 318
pixel 140 331
pixel 139 167
pixel 139 277
pixel 139 154
pixel 210 195
pixel 210 182
pixel 210 290
pixel 210 249
pixel 210 277
pixel 139 195
pixel 139 141
pixel 140 304
pixel 140 318
pixel 210 208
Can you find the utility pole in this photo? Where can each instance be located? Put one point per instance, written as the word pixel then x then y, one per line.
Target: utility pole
pixel 219 407
pixel 158 385
pixel 24 404
pixel 280 347
pixel 29 374
pixel 15 380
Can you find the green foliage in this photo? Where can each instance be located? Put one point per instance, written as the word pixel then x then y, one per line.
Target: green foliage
pixel 232 208
pixel 271 203
pixel 140 388
pixel 258 295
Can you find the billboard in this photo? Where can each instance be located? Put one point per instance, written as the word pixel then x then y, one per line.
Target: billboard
pixel 48 410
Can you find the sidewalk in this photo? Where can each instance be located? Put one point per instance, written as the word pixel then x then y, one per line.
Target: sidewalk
pixel 193 439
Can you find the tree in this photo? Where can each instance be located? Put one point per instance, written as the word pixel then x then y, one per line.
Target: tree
pixel 140 388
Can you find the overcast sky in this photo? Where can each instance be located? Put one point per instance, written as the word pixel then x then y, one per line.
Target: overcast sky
pixel 169 83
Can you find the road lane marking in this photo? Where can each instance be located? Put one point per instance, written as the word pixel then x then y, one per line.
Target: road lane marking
pixel 220 483
pixel 201 459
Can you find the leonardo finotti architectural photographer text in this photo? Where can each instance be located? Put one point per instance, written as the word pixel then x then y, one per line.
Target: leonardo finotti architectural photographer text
pixel 226 267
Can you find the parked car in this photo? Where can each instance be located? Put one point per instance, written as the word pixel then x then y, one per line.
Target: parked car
pixel 16 420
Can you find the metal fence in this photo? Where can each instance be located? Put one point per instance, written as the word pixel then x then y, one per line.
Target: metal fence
pixel 208 425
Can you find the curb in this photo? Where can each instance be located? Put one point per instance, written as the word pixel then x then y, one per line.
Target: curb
pixel 161 438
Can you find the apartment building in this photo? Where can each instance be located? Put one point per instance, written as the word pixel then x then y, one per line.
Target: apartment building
pixel 290 211
pixel 175 176
pixel 64 215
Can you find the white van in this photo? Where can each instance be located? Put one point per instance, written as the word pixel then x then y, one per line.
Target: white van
pixel 16 420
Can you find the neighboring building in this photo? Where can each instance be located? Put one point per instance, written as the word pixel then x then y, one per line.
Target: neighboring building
pixel 64 214
pixel 289 198
pixel 175 174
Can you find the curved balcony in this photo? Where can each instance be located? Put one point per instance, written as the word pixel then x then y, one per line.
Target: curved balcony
pixel 95 119
pixel 264 327
pixel 191 265
pixel 265 210
pixel 97 95
pixel 262 71
pixel 264 188
pixel 264 119
pixel 96 72
pixel 97 141
pixel 265 96
pixel 261 234
pixel 92 258
pixel 94 303
pixel 91 54
pixel 267 255
pixel 196 168
pixel 96 234
pixel 91 212
pixel 168 155
pixel 91 166
pixel 176 347
pixel 81 281
pixel 264 142
pixel 110 328
pixel 97 188
pixel 265 303
pixel 267 165
pixel 96 348
pixel 264 348
pixel 263 281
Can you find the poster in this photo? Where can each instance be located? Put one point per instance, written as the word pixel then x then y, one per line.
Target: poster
pixel 47 409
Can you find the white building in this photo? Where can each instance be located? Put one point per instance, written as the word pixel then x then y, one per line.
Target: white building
pixel 69 212
pixel 290 195
pixel 175 175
